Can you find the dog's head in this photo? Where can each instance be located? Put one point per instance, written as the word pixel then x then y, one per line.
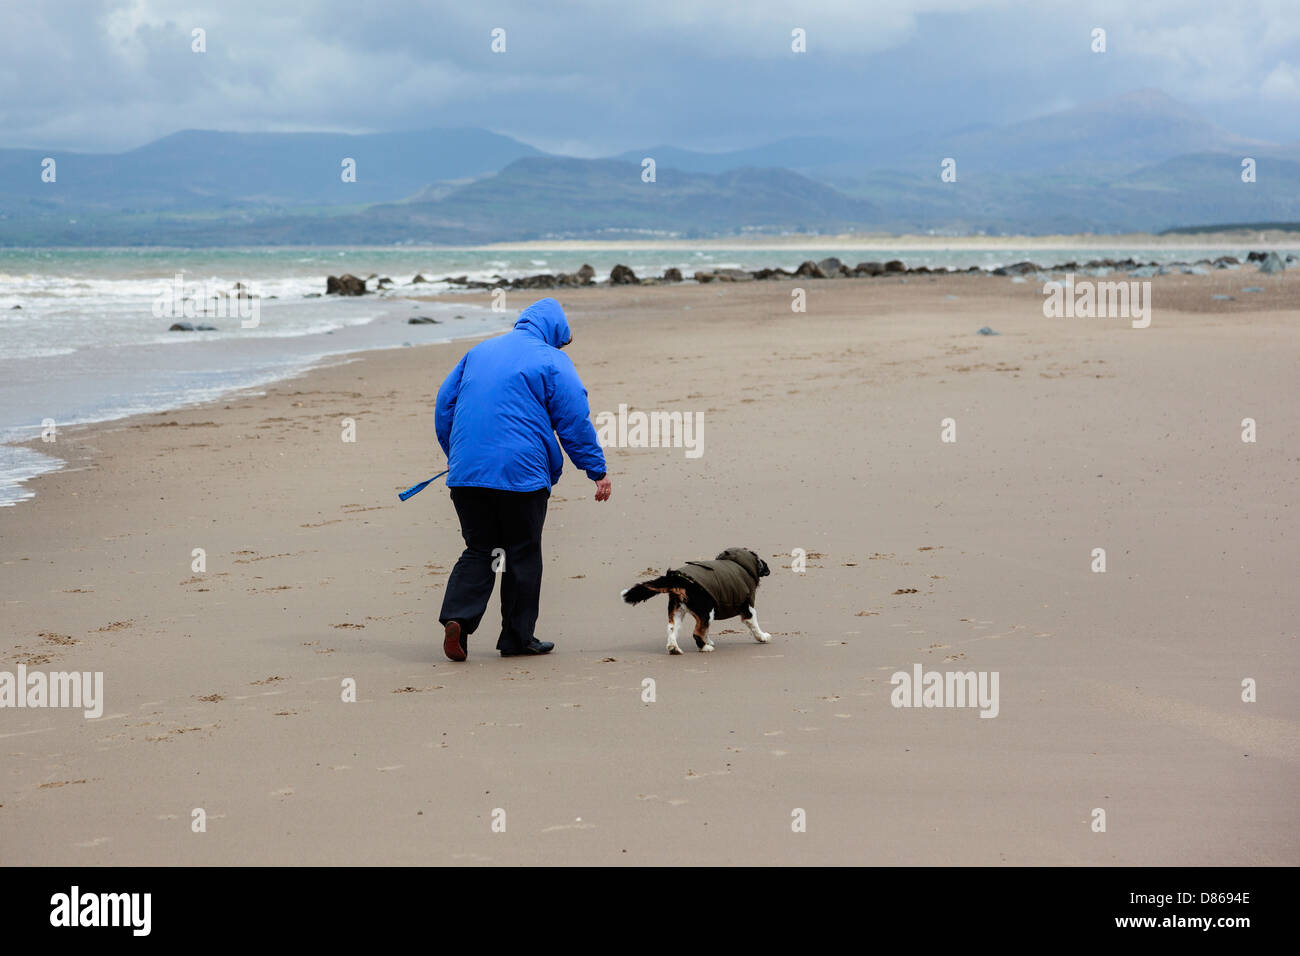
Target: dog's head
pixel 749 560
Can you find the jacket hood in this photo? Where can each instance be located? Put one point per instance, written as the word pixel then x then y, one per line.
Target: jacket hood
pixel 545 318
pixel 743 557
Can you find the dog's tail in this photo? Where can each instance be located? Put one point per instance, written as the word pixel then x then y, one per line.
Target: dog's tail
pixel 646 590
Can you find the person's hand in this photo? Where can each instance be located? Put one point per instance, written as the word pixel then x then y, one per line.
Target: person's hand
pixel 604 489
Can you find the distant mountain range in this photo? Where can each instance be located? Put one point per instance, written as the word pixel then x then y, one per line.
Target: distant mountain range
pixel 1142 162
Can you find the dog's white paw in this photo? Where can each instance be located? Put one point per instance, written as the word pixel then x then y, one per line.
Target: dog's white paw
pixel 706 648
pixel 674 649
pixel 762 637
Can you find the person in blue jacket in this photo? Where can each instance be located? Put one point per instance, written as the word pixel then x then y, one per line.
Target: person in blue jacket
pixel 498 416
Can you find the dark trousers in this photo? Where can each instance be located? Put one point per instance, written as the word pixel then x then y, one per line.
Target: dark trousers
pixel 511 521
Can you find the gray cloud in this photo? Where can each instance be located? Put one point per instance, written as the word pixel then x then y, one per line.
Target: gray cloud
pixel 592 78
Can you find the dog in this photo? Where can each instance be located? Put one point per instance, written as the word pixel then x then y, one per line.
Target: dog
pixel 709 590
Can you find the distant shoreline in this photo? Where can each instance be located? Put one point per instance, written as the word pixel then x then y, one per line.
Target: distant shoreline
pixel 868 242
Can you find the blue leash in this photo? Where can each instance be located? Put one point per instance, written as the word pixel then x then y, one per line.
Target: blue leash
pixel 416 489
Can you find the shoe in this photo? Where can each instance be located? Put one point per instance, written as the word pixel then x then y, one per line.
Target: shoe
pixel 452 645
pixel 532 647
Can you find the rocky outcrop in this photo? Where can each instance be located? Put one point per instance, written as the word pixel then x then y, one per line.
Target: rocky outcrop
pixel 542 281
pixel 346 284
pixel 190 327
pixel 725 275
pixel 828 268
pixel 469 283
pixel 1273 263
pixel 1017 269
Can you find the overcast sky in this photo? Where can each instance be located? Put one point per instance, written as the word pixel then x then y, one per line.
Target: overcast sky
pixel 594 78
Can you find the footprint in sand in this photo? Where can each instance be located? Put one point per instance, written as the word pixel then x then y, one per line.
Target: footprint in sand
pixel 265 557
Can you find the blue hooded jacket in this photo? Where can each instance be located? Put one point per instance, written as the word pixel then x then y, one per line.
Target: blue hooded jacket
pixel 502 406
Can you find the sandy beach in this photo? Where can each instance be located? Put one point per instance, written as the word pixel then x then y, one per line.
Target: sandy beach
pixel 1120 691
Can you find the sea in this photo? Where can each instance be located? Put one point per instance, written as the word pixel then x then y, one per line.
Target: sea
pixel 84 333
